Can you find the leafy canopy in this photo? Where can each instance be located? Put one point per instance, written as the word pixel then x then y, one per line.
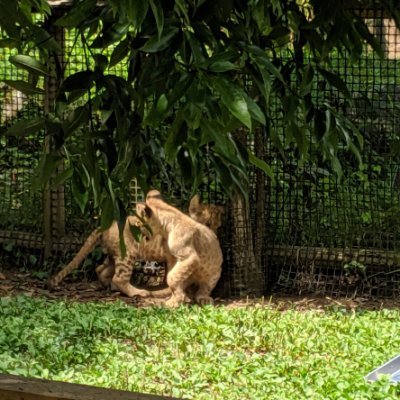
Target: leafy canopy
pixel 195 74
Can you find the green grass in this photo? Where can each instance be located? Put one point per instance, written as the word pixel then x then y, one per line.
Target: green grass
pixel 202 353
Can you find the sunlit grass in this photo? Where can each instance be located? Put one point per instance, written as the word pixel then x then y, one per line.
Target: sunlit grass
pixel 202 353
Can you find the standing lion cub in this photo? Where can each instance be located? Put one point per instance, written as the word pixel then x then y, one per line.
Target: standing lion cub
pixel 194 246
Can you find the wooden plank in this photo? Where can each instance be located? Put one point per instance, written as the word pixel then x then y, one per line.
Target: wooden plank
pixel 14 387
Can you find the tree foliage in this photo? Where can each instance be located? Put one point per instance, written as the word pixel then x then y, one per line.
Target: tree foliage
pixel 196 72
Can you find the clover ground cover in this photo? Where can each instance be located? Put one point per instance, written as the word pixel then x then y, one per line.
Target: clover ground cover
pixel 254 352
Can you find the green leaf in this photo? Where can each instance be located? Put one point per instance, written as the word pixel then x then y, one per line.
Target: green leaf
pixel 306 82
pixel 80 81
pixel 233 98
pixel 9 15
pixel 182 7
pixel 78 117
pixel 222 66
pixel 279 32
pixel 78 14
pixel 121 216
pixel 158 13
pixel 29 63
pixel 110 35
pixel 44 39
pixel 326 12
pixel 136 232
pixel 198 51
pixel 223 173
pixel 24 87
pixel 46 167
pixel 290 104
pixel 137 11
pixel 261 164
pixel 335 81
pixel 180 89
pixel 336 166
pixel 62 177
pixel 363 30
pixel 162 104
pixel 26 127
pixel 120 52
pixel 175 137
pixel 263 62
pixel 225 146
pixel 300 137
pixel 79 191
pixel 107 213
pixel 255 111
pixel 156 43
pixel 75 95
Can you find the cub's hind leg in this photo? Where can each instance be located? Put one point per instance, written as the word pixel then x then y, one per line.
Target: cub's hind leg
pixel 106 271
pixel 206 281
pixel 122 277
pixel 178 279
pixel 203 294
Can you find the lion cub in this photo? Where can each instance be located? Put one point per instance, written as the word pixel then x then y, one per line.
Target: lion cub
pixel 194 246
pixel 117 269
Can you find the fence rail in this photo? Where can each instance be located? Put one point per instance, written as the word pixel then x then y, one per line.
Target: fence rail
pixel 14 387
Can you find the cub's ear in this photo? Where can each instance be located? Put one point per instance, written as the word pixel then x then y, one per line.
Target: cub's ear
pixel 140 209
pixel 221 209
pixel 143 211
pixel 194 202
pixel 148 212
pixel 154 194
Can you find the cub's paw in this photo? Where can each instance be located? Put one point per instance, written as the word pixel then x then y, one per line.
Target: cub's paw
pixel 204 300
pixel 143 293
pixel 52 284
pixel 174 302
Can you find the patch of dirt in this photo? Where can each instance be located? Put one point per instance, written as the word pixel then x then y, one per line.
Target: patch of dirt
pixel 16 283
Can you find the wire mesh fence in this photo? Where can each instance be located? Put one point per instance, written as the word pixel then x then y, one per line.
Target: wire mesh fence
pixel 340 237
pixel 21 207
pixel 306 232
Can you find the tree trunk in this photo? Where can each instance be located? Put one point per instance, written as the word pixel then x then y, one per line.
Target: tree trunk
pixel 247 275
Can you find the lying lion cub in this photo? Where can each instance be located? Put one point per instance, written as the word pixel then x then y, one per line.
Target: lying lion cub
pixel 194 246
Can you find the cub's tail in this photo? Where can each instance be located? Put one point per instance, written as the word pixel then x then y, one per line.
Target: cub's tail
pixel 90 243
pixel 160 293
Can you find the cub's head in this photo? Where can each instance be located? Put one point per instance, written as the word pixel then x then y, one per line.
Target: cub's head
pixel 153 194
pixel 147 219
pixel 207 214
